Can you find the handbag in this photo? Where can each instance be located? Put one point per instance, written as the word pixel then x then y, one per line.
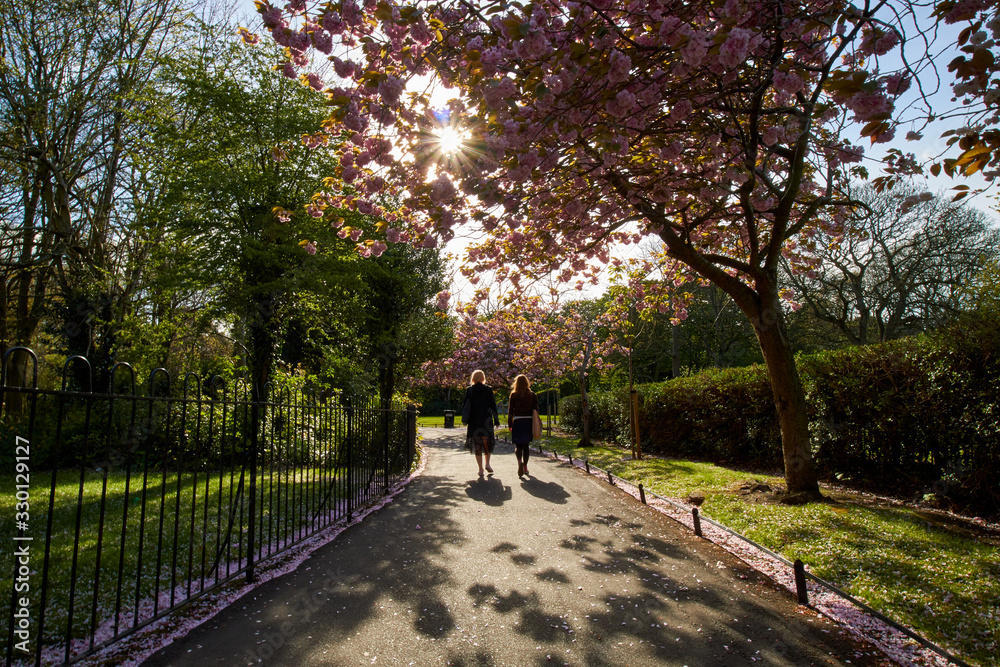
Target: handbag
pixel 536 425
pixel 467 409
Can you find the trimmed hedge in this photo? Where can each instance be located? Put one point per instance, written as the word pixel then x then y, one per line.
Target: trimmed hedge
pixel 722 415
pixel 916 416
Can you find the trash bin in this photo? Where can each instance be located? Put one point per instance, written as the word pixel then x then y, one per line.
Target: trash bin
pixel 449 419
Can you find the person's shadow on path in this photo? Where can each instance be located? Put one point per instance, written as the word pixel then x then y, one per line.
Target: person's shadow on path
pixel 550 491
pixel 489 490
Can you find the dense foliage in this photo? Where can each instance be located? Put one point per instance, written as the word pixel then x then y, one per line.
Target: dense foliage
pixel 218 260
pixel 916 416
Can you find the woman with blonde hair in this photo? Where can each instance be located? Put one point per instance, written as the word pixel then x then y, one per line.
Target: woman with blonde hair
pixel 482 417
pixel 521 417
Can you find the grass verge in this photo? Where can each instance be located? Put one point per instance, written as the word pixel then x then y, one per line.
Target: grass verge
pixel 435 421
pixel 932 571
pixel 122 549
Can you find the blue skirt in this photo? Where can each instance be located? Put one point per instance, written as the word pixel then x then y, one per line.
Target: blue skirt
pixel 520 430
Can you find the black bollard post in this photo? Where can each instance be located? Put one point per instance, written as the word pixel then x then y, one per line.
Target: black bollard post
pixel 800 582
pixel 642 494
pixel 586 463
pixel 611 481
pixel 697 521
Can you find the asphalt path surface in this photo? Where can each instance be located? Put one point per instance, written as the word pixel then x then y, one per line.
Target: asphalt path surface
pixel 557 568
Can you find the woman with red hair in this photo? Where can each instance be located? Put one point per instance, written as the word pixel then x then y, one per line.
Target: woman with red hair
pixel 521 416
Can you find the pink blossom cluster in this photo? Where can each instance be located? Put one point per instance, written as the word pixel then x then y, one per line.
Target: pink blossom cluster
pixel 598 124
pixel 542 340
pixel 965 10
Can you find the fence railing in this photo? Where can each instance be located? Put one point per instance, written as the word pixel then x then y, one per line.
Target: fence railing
pixel 119 507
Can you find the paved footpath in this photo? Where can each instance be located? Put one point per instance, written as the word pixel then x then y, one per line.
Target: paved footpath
pixel 556 569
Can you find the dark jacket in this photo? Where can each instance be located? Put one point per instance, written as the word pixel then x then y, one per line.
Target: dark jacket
pixel 521 405
pixel 484 413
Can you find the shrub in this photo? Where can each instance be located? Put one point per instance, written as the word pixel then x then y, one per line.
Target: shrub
pixel 609 416
pixel 722 415
pixel 916 416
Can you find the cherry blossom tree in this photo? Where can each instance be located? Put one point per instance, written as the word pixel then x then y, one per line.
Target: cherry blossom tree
pixel 488 345
pixel 502 345
pixel 976 86
pixel 714 125
pixel 587 333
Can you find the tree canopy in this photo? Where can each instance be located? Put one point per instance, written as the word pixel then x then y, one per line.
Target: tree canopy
pixel 716 126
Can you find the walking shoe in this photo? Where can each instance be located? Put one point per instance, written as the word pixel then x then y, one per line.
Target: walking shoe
pixel 489 469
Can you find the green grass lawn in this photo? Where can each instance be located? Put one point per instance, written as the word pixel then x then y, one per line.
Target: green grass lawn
pixel 929 571
pixel 176 528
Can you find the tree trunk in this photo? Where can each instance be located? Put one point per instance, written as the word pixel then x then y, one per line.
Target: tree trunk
pixel 31 282
pixel 260 344
pixel 789 396
pixel 386 378
pixel 584 410
pixel 584 406
pixel 762 305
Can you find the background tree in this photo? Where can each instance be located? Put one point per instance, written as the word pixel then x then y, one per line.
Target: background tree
pixel 237 206
pixel 69 78
pixel 898 272
pixel 586 332
pixel 399 288
pixel 982 295
pixel 715 334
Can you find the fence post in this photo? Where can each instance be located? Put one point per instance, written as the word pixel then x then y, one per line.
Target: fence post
pixel 697 521
pixel 385 445
pixel 800 582
pixel 586 464
pixel 636 441
pixel 611 481
pixel 642 494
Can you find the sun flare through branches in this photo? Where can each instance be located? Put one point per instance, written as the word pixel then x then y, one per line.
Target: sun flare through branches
pixel 450 140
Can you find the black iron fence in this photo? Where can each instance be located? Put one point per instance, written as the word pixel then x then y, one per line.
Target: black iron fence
pixel 119 507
